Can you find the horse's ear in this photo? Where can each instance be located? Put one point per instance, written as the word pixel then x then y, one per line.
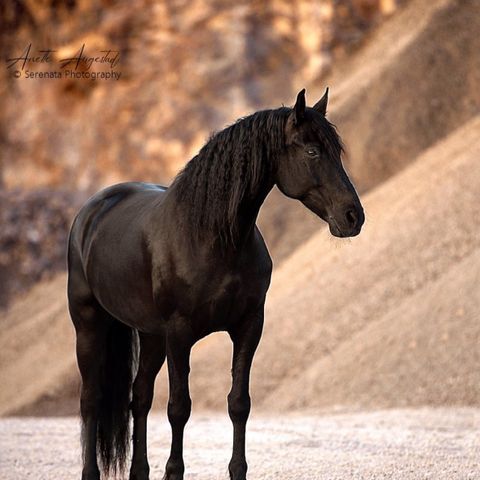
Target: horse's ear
pixel 299 108
pixel 321 105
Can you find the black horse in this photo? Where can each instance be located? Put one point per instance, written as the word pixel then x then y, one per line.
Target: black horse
pixel 158 269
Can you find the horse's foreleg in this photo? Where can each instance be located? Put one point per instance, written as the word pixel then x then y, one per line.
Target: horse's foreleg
pixel 152 356
pixel 245 340
pixel 179 343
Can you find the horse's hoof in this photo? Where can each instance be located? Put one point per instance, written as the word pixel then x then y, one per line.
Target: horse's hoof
pixel 174 469
pixel 173 476
pixel 238 470
pixel 139 471
pixel 238 476
pixel 139 475
pixel 92 475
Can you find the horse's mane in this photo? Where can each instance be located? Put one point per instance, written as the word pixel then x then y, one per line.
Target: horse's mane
pixel 228 169
pixel 231 166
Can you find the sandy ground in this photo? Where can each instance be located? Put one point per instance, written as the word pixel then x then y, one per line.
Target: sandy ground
pixel 398 444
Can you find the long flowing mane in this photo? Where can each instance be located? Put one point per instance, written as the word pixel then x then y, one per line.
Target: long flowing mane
pixel 229 168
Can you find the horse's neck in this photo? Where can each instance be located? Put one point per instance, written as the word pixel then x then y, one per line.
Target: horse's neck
pixel 249 209
pixel 246 214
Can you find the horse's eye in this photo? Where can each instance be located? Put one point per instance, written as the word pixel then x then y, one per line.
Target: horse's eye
pixel 312 152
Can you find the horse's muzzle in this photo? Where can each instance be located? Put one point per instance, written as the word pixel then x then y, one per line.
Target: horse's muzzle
pixel 347 223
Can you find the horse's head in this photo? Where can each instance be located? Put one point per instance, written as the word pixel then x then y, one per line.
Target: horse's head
pixel 311 170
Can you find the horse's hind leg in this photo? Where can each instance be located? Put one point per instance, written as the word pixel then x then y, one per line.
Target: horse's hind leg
pixel 152 356
pixel 91 327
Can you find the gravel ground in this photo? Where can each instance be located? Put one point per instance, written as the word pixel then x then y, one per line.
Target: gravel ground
pixel 440 444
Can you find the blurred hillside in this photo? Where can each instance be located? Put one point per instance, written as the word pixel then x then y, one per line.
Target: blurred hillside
pixel 187 68
pixel 388 319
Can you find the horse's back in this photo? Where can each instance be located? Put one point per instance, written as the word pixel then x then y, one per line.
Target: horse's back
pixel 135 196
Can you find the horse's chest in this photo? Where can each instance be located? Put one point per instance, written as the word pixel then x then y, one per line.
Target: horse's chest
pixel 213 292
pixel 221 302
pixel 212 302
pixel 224 297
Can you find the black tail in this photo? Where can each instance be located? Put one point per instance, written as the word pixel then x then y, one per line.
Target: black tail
pixel 114 418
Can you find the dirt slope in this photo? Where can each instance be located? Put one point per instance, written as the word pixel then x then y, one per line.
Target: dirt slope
pixel 37 351
pixel 425 350
pixel 413 82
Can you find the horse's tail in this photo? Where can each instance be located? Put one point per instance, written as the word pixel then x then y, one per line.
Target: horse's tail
pixel 114 415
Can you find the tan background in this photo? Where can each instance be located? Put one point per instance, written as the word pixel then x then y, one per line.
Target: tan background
pixel 388 319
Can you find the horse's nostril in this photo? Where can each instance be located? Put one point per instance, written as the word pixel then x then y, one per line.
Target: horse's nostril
pixel 351 216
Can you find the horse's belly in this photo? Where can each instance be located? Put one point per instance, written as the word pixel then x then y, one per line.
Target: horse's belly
pixel 130 303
